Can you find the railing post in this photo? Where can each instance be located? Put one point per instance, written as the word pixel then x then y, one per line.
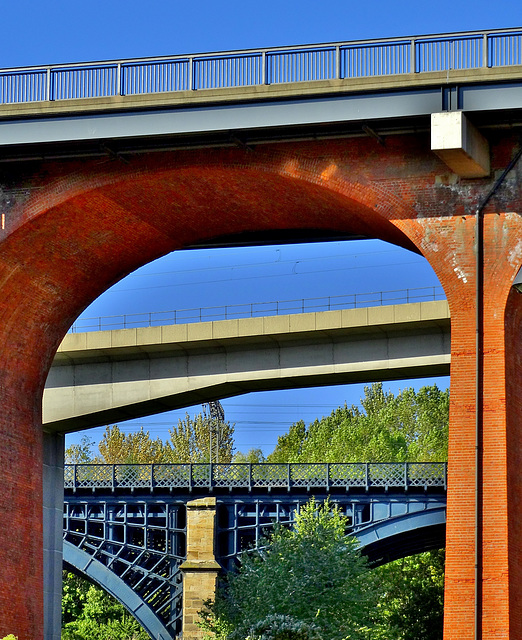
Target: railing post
pixel 327 476
pixel 367 476
pixel 406 480
pixel 113 478
pixel 413 58
pixel 250 476
pixel 264 71
pixel 151 477
pixel 289 477
pixel 119 91
pixel 48 90
pixel 191 74
pixel 485 51
pixel 338 62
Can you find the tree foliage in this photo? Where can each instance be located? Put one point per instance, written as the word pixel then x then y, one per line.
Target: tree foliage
pixel 89 613
pixel 190 440
pixel 312 574
pixel 409 427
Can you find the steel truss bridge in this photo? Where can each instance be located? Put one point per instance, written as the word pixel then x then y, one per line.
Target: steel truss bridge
pixel 125 526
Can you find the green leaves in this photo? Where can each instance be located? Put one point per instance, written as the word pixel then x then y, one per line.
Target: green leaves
pixel 409 427
pixel 313 574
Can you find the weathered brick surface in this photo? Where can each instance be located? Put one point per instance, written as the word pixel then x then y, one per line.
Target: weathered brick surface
pixel 74 228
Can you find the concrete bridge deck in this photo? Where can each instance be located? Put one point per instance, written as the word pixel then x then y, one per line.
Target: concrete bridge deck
pixel 108 376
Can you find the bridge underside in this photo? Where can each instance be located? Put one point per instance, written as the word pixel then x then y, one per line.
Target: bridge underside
pixel 133 547
pixel 104 377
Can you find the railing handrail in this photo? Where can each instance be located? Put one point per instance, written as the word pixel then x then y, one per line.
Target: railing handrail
pixel 259 309
pixel 204 476
pixel 455 35
pixel 52 82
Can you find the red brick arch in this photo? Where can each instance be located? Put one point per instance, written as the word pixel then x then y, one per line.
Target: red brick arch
pixel 86 224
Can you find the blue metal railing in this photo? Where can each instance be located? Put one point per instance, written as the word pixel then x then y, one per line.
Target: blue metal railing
pixel 360 59
pixel 265 476
pixel 258 309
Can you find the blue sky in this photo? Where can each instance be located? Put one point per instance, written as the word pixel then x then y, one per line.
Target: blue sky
pixel 55 31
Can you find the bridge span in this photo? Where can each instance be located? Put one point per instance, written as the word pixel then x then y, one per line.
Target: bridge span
pixel 413 141
pixel 151 534
pixel 105 377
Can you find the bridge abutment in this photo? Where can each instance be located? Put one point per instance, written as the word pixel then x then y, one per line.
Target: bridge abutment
pixel 200 569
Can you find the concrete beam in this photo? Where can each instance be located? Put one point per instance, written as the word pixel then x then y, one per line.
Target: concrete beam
pixel 459 144
pixel 103 377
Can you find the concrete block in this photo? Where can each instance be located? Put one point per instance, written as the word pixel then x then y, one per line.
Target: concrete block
pixel 459 144
pixel 174 333
pixel 302 322
pixel 225 329
pixel 328 319
pixel 276 324
pixel 355 317
pixel 250 327
pixel 124 337
pixel 199 331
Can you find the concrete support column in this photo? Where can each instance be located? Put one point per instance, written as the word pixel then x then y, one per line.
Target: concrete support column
pixel 200 570
pixel 53 456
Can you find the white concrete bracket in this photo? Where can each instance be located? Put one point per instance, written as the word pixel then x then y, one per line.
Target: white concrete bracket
pixel 459 144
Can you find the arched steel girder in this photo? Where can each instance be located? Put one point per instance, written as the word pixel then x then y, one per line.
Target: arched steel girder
pixel 402 536
pixel 84 564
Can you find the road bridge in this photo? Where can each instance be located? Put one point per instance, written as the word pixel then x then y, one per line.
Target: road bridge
pixel 413 141
pixel 104 377
pixel 136 530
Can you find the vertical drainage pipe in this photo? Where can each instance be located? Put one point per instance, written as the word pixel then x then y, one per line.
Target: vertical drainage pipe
pixel 479 387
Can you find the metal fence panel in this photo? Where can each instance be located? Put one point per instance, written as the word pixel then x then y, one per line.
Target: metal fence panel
pixel 301 66
pixel 155 77
pixel 505 50
pixel 23 87
pixel 375 60
pixel 227 71
pixel 90 82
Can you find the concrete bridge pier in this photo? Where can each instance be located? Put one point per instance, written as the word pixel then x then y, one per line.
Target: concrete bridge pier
pixel 53 458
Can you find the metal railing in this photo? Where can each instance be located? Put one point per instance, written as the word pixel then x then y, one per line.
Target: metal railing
pixel 258 309
pixel 343 60
pixel 265 476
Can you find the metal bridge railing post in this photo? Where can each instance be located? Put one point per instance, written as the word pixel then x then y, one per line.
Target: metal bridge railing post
pixel 413 59
pixel 327 476
pixel 250 476
pixel 485 51
pixel 48 88
pixel 289 477
pixel 367 476
pixel 406 480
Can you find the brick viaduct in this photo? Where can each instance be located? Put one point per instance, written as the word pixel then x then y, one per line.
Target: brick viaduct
pixel 73 227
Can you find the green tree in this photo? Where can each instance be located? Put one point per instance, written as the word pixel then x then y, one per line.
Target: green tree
pixel 409 427
pixel 312 573
pixel 252 456
pixel 89 613
pixel 413 595
pixel 80 453
pixel 190 440
pixel 117 447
